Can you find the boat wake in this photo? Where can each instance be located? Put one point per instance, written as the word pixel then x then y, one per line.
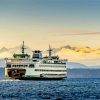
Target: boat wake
pixel 8 80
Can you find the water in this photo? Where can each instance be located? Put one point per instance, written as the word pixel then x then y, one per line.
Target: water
pixel 67 89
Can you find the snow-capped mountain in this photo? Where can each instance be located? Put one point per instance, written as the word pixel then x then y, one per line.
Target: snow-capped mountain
pixel 74 65
pixel 3 49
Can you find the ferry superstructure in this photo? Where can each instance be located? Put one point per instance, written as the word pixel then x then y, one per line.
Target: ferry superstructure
pixel 21 66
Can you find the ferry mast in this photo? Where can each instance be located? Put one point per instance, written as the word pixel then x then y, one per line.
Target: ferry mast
pixel 50 51
pixel 23 48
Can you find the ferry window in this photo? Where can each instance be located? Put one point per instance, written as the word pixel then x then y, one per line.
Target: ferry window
pixel 31 65
pixel 44 61
pixel 55 62
pixel 23 65
pixel 34 60
pixel 8 65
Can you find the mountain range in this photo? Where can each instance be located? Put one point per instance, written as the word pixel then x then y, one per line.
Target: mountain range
pixel 85 55
pixel 64 49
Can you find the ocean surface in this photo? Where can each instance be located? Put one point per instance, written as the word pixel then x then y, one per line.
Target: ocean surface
pixel 67 89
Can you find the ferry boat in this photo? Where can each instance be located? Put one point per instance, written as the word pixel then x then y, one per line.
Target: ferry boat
pixel 22 66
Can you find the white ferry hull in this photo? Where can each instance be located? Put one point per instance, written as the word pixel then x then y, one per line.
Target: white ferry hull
pixel 30 74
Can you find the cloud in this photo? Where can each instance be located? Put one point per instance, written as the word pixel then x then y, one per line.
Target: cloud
pixel 69 32
pixel 80 50
pixel 90 33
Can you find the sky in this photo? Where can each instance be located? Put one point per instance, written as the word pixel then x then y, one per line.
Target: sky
pixel 56 22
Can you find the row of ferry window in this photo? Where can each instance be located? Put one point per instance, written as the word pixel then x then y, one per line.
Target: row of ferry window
pixel 54 62
pixel 56 74
pixel 19 65
pixel 31 65
pixel 50 66
pixel 50 70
